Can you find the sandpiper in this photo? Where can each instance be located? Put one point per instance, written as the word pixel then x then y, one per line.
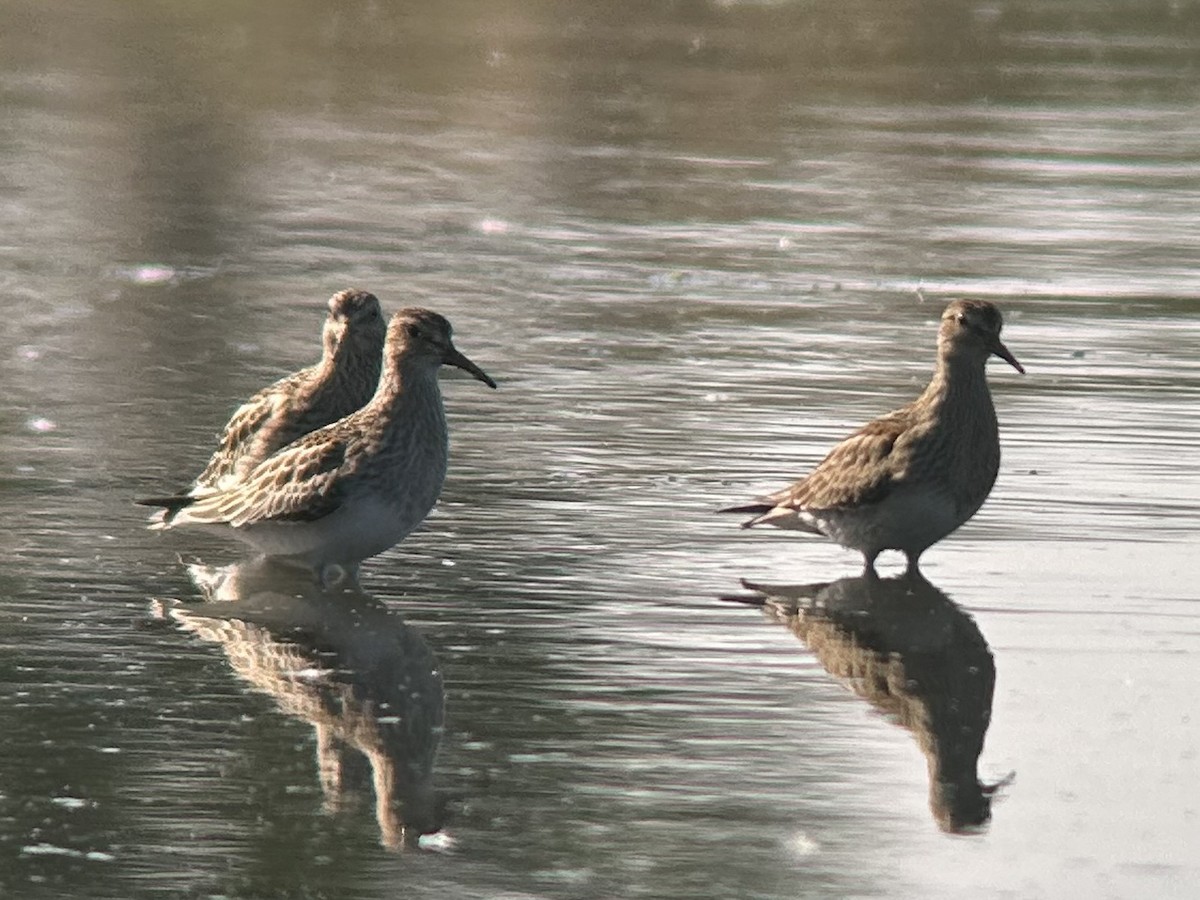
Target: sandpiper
pixel 354 488
pixel 342 382
pixel 906 480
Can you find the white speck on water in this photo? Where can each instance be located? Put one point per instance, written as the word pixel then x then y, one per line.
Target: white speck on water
pixel 40 424
pixel 564 876
pixel 70 802
pixel 532 758
pixel 802 845
pixel 55 850
pixel 48 850
pixel 438 842
pixel 448 562
pixel 492 226
pixel 152 274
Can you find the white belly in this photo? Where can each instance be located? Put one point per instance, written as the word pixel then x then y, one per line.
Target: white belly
pixel 351 534
pixel 909 521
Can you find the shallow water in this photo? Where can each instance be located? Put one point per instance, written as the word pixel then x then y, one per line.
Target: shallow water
pixel 695 243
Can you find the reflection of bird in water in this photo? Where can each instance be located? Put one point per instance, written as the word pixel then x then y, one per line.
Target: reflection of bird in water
pixel 340 661
pixel 913 653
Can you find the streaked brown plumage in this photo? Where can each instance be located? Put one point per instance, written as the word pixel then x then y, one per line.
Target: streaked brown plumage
pixel 356 487
pixel 906 480
pixel 340 383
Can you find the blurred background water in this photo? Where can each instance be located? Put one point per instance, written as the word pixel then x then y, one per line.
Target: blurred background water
pixel 696 243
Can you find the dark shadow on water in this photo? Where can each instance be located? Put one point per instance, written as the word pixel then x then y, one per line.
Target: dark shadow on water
pixel 914 654
pixel 339 660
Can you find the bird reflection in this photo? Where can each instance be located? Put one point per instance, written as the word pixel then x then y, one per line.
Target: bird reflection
pixel 339 660
pixel 913 653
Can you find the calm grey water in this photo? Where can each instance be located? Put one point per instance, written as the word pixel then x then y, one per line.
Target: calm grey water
pixel 695 243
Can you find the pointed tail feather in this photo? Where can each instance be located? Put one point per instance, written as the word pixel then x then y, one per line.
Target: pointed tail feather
pixel 756 600
pixel 757 596
pixel 174 503
pixel 759 508
pixel 169 506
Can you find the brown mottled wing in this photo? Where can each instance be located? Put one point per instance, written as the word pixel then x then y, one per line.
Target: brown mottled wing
pixel 247 421
pixel 297 484
pixel 859 470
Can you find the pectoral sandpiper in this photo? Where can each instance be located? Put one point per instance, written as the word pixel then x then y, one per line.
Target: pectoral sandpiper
pixel 908 479
pixel 304 401
pixel 354 488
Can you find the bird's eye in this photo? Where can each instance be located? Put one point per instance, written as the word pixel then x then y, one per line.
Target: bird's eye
pixel 961 318
pixel 413 331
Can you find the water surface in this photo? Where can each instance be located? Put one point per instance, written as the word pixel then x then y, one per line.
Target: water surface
pixel 696 244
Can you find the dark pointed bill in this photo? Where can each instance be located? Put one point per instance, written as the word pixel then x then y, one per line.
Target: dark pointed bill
pixel 1001 351
pixel 454 358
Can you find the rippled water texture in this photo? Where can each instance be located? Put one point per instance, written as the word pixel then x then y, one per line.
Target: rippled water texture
pixel 696 243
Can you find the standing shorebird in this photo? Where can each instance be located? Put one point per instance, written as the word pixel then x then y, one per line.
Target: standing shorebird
pixel 352 489
pixel 908 479
pixel 304 401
